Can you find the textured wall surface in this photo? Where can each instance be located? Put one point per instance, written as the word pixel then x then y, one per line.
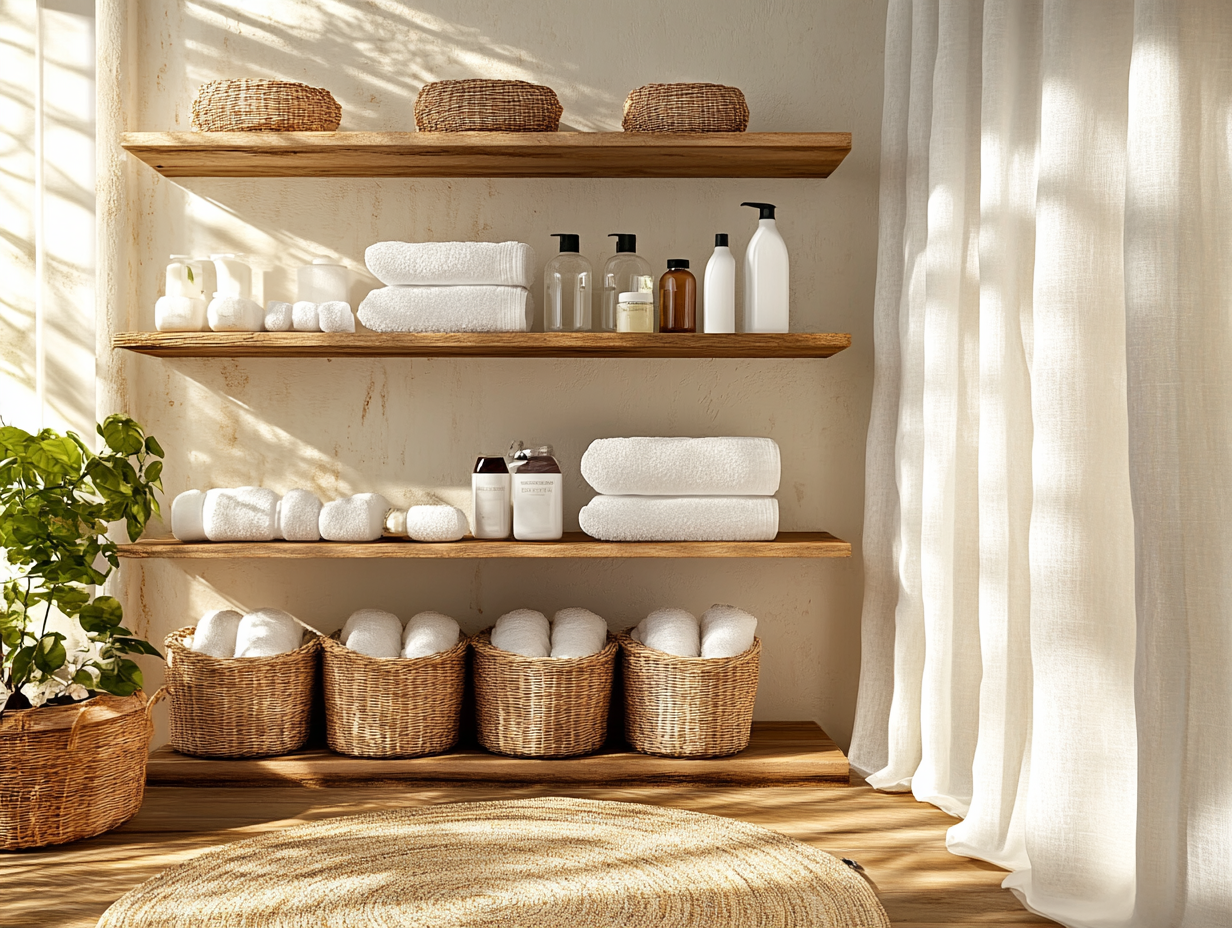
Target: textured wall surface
pixel 411 427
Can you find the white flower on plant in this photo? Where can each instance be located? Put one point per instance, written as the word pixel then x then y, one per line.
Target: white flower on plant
pixel 77 692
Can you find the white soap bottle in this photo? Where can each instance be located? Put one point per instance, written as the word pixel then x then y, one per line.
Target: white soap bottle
pixel 765 276
pixel 538 494
pixel 491 497
pixel 719 289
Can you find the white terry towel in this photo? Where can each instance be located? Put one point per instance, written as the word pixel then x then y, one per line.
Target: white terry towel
pixel 335 316
pixel 304 317
pixel 240 514
pixel 726 631
pixel 435 523
pixel 577 633
pixel 215 634
pixel 523 631
pixel 429 633
pixel 277 316
pixel 299 516
pixel 179 314
pixel 188 516
pixel 681 518
pixel 267 632
pixel 356 518
pixel 235 314
pixel 447 309
pixel 505 264
pixel 683 466
pixel 672 631
pixel 373 632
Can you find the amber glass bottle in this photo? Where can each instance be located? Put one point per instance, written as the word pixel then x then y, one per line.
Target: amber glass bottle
pixel 677 298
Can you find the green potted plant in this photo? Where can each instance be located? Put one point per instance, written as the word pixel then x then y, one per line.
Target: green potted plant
pixel 74 730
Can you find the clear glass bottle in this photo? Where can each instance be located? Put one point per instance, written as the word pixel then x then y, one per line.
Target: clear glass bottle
pixel 538 494
pixel 625 272
pixel 566 289
pixel 677 298
pixel 491 487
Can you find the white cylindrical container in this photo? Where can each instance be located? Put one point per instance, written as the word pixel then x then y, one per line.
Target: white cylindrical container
pixel 184 278
pixel 538 496
pixel 635 312
pixel 719 289
pixel 322 281
pixel 765 276
pixel 234 276
pixel 491 498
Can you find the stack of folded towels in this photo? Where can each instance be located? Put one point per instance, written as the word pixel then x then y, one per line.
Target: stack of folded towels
pixel 380 634
pixel 264 633
pixel 724 631
pixel 449 287
pixel 682 489
pixel 572 632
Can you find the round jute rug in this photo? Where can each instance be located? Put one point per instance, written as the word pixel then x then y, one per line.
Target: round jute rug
pixel 555 863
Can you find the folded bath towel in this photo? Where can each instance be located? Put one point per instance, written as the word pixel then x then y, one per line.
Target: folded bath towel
pixel 335 316
pixel 215 634
pixel 235 314
pixel 447 309
pixel 435 523
pixel 505 264
pixel 373 632
pixel 179 314
pixel 682 466
pixel 188 517
pixel 277 316
pixel 523 631
pixel 726 631
pixel 299 516
pixel 672 631
pixel 240 514
pixel 681 518
pixel 429 633
pixel 304 317
pixel 357 518
pixel 577 633
pixel 267 632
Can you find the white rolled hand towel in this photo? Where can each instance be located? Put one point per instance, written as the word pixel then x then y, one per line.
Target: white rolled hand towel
pixel 683 466
pixel 726 631
pixel 672 631
pixel 299 516
pixel 429 633
pixel 681 518
pixel 277 316
pixel 356 518
pixel 216 633
pixel 304 316
pixel 179 314
pixel 235 314
pixel 523 631
pixel 240 514
pixel 373 632
pixel 447 309
pixel 506 264
pixel 188 516
pixel 335 316
pixel 267 632
pixel 577 633
pixel 435 523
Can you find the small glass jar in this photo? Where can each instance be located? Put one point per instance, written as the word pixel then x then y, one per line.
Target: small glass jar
pixel 635 312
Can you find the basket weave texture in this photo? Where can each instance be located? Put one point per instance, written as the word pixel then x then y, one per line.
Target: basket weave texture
pixel 541 706
pixel 478 105
pixel 249 105
pixel 71 772
pixel 392 707
pixel 239 707
pixel 686 108
pixel 688 706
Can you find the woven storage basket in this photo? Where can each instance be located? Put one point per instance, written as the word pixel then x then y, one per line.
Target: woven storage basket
pixel 477 105
pixel 392 707
pixel 71 772
pixel 264 106
pixel 240 707
pixel 541 706
pixel 688 706
pixel 686 108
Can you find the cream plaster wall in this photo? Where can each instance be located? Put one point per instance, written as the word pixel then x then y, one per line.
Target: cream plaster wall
pixel 407 427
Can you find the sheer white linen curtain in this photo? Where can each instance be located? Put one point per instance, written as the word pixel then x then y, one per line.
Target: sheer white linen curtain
pixel 1048 532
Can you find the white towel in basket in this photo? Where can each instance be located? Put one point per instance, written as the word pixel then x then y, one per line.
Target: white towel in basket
pixel 429 633
pixel 267 632
pixel 672 631
pixel 373 632
pixel 726 631
pixel 523 631
pixel 216 633
pixel 577 633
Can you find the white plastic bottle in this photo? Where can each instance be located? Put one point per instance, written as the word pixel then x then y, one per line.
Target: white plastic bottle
pixel 491 499
pixel 765 276
pixel 566 289
pixel 538 495
pixel 719 289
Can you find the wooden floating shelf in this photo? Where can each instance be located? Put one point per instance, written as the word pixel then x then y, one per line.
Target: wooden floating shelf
pixel 779 754
pixel 489 154
pixel 469 345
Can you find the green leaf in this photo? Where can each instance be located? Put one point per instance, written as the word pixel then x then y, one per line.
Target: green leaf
pixel 21 661
pixel 133 645
pixel 49 653
pixel 153 447
pixel 154 470
pixel 122 434
pixel 104 614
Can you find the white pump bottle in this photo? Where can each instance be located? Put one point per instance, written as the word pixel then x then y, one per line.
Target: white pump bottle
pixel 765 276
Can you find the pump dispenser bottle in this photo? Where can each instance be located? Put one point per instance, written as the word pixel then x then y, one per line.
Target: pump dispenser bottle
pixel 566 288
pixel 719 289
pixel 765 276
pixel 626 271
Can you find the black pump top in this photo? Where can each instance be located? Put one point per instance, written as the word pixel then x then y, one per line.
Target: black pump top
pixel 569 243
pixel 720 240
pixel 624 241
pixel 676 264
pixel 767 209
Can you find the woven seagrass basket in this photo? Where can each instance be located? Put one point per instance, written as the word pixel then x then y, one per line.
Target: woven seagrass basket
pixel 688 706
pixel 686 108
pixel 392 707
pixel 249 105
pixel 72 772
pixel 240 707
pixel 541 706
pixel 477 105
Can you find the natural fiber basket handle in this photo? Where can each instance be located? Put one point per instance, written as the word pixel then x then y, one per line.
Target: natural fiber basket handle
pixel 72 732
pixel 154 700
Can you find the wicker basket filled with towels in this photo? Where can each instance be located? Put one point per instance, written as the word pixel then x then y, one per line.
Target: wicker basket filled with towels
pixel 478 105
pixel 686 108
pixel 240 706
pixel 249 105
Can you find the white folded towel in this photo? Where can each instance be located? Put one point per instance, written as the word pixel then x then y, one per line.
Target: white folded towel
pixel 179 314
pixel 506 264
pixel 447 309
pixel 672 631
pixel 577 633
pixel 240 514
pixel 267 632
pixel 299 516
pixel 304 317
pixel 373 632
pixel 681 518
pixel 435 523
pixel 523 631
pixel 335 316
pixel 277 316
pixel 215 634
pixel 429 633
pixel 683 466
pixel 235 314
pixel 188 516
pixel 356 518
pixel 726 631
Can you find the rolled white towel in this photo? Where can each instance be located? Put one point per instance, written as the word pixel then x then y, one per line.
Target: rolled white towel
pixel 429 633
pixel 277 316
pixel 335 316
pixel 577 633
pixel 523 631
pixel 356 518
pixel 672 631
pixel 373 632
pixel 507 264
pixel 304 317
pixel 216 633
pixel 235 314
pixel 683 466
pixel 188 516
pixel 726 631
pixel 681 518
pixel 240 514
pixel 435 523
pixel 179 314
pixel 267 632
pixel 447 309
pixel 299 516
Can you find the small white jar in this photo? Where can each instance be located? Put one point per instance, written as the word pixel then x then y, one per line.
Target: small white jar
pixel 322 281
pixel 635 312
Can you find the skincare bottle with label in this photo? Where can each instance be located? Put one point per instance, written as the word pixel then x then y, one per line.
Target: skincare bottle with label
pixel 491 487
pixel 538 494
